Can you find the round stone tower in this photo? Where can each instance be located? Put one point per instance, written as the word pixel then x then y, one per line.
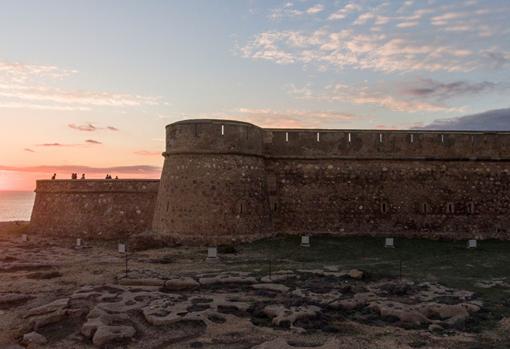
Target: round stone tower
pixel 213 184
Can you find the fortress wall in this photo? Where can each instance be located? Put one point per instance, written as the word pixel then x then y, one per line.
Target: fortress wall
pixel 213 185
pixel 93 209
pixel 380 144
pixel 227 181
pixel 346 197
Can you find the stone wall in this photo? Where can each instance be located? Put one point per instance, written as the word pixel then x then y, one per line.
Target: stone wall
pixel 220 177
pixel 454 200
pixel 229 181
pixel 213 185
pixel 93 209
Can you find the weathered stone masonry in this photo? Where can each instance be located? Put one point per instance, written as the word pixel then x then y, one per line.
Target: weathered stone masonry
pixel 93 209
pixel 227 181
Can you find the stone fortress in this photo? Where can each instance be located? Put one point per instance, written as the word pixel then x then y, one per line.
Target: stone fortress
pixel 228 181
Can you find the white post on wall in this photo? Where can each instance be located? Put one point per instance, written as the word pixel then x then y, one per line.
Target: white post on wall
pixel 472 243
pixel 389 243
pixel 121 248
pixel 305 241
pixel 78 243
pixel 24 237
pixel 212 254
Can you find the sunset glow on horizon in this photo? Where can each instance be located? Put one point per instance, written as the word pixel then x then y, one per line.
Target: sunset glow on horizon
pixel 92 92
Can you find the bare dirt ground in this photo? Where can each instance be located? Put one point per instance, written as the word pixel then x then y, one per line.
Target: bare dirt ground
pixel 339 293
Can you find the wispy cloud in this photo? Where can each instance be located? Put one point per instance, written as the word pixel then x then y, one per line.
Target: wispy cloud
pixel 92 141
pixel 27 86
pixel 29 150
pixel 293 118
pixel 367 96
pixel 437 90
pixel 344 11
pixel 379 38
pixel 68 97
pixel 315 9
pixel 89 127
pixel 21 72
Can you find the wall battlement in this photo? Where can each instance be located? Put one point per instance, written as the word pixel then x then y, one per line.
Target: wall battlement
pixel 233 137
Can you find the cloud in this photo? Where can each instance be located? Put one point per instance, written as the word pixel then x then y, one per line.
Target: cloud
pixel 315 9
pixel 344 12
pixel 292 118
pixel 492 120
pixel 26 86
pixel 287 10
pixel 369 41
pixel 147 153
pixel 366 96
pixel 56 145
pixel 66 145
pixel 346 49
pixel 133 169
pixel 35 106
pixel 432 89
pixel 89 127
pixel 20 72
pixel 77 97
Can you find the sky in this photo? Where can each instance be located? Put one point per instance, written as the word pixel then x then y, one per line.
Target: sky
pixel 88 86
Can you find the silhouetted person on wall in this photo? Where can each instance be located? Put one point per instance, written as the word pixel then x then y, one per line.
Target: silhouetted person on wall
pixel 116 177
pixel 54 176
pixel 74 176
pixel 83 176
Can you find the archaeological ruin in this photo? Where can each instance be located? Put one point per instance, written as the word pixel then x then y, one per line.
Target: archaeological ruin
pixel 228 181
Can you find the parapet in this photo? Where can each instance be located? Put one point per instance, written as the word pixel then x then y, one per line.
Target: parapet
pixel 97 186
pixel 213 137
pixel 386 145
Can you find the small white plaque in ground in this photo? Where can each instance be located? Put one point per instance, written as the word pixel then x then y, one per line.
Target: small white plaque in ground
pixel 472 244
pixel 24 237
pixel 122 248
pixel 305 241
pixel 212 253
pixel 78 242
pixel 389 243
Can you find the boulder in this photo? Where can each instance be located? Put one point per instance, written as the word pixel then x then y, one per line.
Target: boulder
pixel 106 334
pixel 34 338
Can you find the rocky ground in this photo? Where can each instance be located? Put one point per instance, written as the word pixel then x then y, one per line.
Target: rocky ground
pixel 54 295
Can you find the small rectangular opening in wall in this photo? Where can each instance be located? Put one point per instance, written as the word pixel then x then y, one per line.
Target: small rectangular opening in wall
pixel 222 130
pixel 286 136
pixel 349 137
pixel 442 138
pixel 384 207
pixel 380 137
pixel 425 208
pixel 450 208
pixel 318 137
pixel 412 138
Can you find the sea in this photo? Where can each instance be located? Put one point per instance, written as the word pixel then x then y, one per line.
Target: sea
pixel 16 205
